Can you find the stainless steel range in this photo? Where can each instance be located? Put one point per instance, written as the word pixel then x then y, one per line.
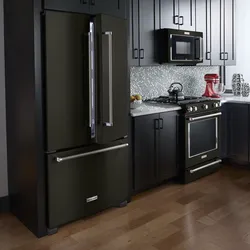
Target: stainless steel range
pixel 199 135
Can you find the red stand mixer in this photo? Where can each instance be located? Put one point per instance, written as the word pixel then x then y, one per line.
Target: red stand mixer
pixel 211 80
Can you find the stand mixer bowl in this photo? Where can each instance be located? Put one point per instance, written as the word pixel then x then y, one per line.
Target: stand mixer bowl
pixel 219 88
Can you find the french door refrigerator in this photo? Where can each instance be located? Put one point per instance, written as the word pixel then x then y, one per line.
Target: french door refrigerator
pixel 87 108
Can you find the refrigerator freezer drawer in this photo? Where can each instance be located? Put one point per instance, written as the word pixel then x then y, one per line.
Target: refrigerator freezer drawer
pixel 84 185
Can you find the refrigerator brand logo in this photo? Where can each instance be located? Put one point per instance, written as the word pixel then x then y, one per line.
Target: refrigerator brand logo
pixel 187 33
pixel 204 156
pixel 93 198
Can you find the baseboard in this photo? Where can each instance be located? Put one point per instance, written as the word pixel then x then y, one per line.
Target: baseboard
pixel 4 204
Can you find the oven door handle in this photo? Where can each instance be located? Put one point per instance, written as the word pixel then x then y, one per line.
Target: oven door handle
pixel 204 166
pixel 204 116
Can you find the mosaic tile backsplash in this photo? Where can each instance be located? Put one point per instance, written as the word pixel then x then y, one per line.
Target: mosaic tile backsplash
pixel 155 81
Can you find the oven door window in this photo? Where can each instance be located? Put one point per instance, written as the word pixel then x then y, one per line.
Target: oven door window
pixel 202 136
pixel 182 48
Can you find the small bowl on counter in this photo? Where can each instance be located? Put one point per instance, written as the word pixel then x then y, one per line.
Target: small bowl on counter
pixel 135 101
pixel 135 104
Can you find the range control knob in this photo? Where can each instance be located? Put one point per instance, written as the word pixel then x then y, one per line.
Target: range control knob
pixel 216 105
pixel 189 109
pixel 205 106
pixel 195 108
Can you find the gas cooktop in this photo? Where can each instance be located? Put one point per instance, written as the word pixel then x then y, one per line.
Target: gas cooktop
pixel 186 100
pixel 191 105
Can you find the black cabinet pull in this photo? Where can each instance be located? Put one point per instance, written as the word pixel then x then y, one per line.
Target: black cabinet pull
pixel 226 54
pixel 161 123
pixel 208 55
pixel 176 17
pixel 157 127
pixel 135 54
pixel 222 56
pixel 83 1
pixel 142 53
pixel 92 2
pixel 182 20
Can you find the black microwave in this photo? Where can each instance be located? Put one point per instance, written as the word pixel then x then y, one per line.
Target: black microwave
pixel 180 46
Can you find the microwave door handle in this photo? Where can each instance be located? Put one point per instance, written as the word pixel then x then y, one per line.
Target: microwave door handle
pixel 201 48
pixel 198 49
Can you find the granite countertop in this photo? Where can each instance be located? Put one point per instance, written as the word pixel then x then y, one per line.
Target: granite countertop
pixel 230 98
pixel 153 108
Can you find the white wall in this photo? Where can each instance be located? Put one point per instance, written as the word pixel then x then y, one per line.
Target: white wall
pixel 3 157
pixel 242 43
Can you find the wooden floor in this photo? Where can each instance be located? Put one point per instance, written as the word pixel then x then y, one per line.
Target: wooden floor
pixel 210 214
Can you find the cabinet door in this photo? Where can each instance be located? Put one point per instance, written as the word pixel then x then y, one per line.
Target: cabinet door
pixel 230 49
pixel 217 31
pixel 79 6
pixel 238 132
pixel 169 14
pixel 224 132
pixel 144 152
pixel 85 185
pixel 109 7
pixel 149 23
pixel 187 14
pixel 167 152
pixel 203 24
pixel 134 32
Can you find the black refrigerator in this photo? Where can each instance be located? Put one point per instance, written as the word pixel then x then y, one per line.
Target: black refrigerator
pixel 67 113
pixel 87 108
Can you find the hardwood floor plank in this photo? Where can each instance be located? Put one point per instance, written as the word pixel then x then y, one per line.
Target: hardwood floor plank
pixel 212 213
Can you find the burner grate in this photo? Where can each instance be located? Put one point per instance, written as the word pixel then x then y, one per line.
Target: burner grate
pixel 166 99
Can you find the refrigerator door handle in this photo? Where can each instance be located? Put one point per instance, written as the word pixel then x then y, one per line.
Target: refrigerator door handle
pixel 71 157
pixel 91 80
pixel 110 122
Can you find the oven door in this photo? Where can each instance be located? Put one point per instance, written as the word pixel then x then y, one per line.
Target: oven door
pixel 186 48
pixel 202 138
